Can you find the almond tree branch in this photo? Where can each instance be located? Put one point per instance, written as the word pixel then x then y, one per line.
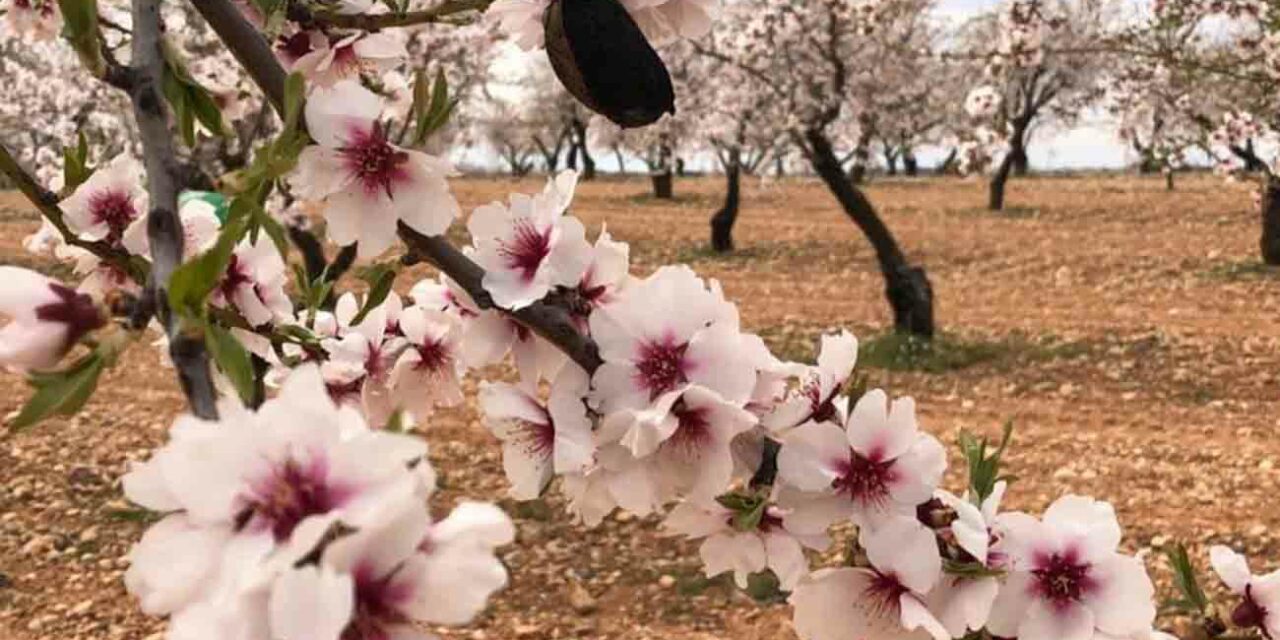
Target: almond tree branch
pixel 375 22
pixel 548 321
pixel 47 202
pixel 164 228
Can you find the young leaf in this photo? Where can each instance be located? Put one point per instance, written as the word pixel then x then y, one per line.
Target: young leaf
pixel 380 277
pixel 75 164
pixel 984 468
pixel 61 392
pixel 436 111
pixel 1193 598
pixel 193 281
pixel 232 359
pixel 294 94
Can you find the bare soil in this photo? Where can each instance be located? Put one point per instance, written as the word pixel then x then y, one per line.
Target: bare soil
pixel 1128 333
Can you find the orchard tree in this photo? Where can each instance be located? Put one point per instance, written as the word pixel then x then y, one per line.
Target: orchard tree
pixel 292 499
pixel 811 58
pixel 1045 68
pixel 1227 60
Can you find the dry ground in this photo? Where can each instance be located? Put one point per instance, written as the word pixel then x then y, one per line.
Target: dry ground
pixel 1127 332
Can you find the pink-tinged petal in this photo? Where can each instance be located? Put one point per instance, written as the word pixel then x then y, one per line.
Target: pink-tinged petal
pixel 487 339
pixel 811 456
pixel 1265 591
pixel 696 519
pixel 1231 567
pixel 381 44
pixel 32 345
pixel 963 604
pixel 330 113
pixel 574 448
pixel 423 202
pixel 1011 605
pixel 716 360
pixel 500 401
pixel 838 354
pixel 810 514
pixel 488 221
pixel 571 255
pixel 643 431
pixel 320 173
pixel 610 330
pixel 905 549
pixel 969 527
pixel 511 290
pixel 1081 516
pixel 1124 604
pixel 880 432
pixel 311 603
pixel 786 559
pixel 741 553
pixel 528 469
pixel 23 291
pixel 454 587
pixel 915 615
pixel 475 525
pixel 373 217
pixel 173 562
pixel 831 604
pixel 918 471
pixel 615 388
pixel 1045 621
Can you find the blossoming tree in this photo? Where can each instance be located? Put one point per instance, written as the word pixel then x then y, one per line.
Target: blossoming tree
pixel 293 495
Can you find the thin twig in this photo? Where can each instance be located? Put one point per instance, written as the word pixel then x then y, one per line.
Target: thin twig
pixel 164 228
pixel 47 202
pixel 550 322
pixel 377 21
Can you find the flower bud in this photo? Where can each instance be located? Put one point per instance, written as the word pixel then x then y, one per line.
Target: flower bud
pixel 603 59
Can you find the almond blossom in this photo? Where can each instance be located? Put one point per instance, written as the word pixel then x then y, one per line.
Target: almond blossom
pixel 1260 604
pixel 963 603
pixel 273 480
pixel 539 440
pixel 46 319
pixel 604 273
pixel 366 183
pixel 883 601
pixel 380 580
pixel 1066 579
pixel 815 398
pixel 649 351
pixel 680 444
pixel 362 356
pixel 111 205
pixel 878 465
pixel 254 283
pixel 427 373
pixel 34 19
pixel 530 245
pixel 745 542
pixel 326 59
pixel 665 20
pixel 520 19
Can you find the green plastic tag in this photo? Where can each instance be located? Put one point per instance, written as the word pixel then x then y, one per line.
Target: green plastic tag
pixel 212 198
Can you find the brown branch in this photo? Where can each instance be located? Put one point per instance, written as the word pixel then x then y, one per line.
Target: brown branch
pixel 375 22
pixel 47 202
pixel 164 228
pixel 548 321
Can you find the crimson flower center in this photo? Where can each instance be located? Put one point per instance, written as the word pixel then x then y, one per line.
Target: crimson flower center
pixel 884 592
pixel 693 429
pixel 661 366
pixel 113 208
pixel 1062 578
pixel 527 248
pixel 375 163
pixel 432 356
pixel 1249 613
pixel 378 601
pixel 73 309
pixel 865 480
pixel 292 492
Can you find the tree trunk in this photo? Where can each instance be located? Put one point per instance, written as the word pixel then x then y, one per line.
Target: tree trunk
pixel 1168 180
pixel 680 167
pixel 891 163
pixel 995 191
pixel 907 286
pixel 1270 241
pixel 1021 166
pixel 663 187
pixel 910 165
pixel 779 166
pixel 722 221
pixel 857 173
pixel 622 162
pixel 588 163
pixel 948 163
pixel 571 157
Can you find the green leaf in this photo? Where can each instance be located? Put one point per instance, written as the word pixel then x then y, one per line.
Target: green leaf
pixel 176 94
pixel 61 392
pixel 205 109
pixel 969 569
pixel 380 277
pixel 295 93
pixel 75 164
pixel 193 281
pixel 436 112
pixel 984 468
pixel 1194 599
pixel 232 358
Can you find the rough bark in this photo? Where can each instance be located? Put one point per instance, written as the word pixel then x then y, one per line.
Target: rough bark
pixel 891 163
pixel 580 143
pixel 948 164
pixel 663 184
pixel 1008 165
pixel 910 165
pixel 1021 165
pixel 722 221
pixel 1270 240
pixel 906 286
pixel 1168 181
